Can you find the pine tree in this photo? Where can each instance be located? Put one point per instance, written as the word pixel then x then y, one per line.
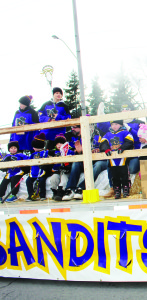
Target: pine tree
pixel 72 95
pixel 122 93
pixel 95 97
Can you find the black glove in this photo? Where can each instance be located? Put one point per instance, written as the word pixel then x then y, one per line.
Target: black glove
pixel 119 151
pixel 108 152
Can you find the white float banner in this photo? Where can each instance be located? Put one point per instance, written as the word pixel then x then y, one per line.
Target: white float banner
pixel 79 246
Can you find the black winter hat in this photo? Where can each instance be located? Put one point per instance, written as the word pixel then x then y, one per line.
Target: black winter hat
pixel 26 100
pixel 59 138
pixel 38 141
pixel 117 122
pixel 57 89
pixel 13 143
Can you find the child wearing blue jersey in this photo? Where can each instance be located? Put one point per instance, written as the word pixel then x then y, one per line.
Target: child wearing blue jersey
pixel 24 115
pixel 54 110
pixel 13 175
pixel 37 173
pixel 118 139
pixel 61 172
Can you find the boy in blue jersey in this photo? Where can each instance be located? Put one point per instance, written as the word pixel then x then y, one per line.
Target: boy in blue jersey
pixel 24 115
pixel 118 139
pixel 61 172
pixel 13 175
pixel 54 110
pixel 35 171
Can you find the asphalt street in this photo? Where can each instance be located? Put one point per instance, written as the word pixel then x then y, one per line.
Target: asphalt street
pixel 24 289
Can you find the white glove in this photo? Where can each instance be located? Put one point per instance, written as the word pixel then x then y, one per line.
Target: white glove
pixel 100 110
pixel 127 126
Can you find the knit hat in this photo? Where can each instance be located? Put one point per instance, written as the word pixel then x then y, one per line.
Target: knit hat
pixel 13 143
pixel 26 100
pixel 59 138
pixel 38 141
pixel 117 122
pixel 57 89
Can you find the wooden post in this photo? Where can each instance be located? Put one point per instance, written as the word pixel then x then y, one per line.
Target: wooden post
pixel 87 155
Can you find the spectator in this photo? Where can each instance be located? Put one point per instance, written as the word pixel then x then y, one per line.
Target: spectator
pixel 13 175
pixel 118 139
pixel 72 190
pixel 61 171
pixel 37 173
pixel 54 110
pixel 24 115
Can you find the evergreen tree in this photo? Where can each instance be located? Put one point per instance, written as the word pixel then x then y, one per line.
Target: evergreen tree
pixel 72 95
pixel 122 93
pixel 95 97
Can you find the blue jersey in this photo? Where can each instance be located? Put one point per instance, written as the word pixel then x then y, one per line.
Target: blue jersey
pixel 104 128
pixel 46 113
pixel 25 117
pixel 35 170
pixel 14 171
pixel 122 139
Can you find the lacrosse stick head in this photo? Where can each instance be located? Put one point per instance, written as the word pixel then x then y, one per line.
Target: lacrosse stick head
pixel 48 72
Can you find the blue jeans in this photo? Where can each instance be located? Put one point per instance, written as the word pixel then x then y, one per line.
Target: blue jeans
pixel 76 170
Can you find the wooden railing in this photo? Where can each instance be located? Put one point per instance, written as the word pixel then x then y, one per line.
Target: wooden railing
pixel 87 157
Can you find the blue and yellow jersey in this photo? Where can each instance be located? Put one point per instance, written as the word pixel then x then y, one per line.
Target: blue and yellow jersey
pixel 122 139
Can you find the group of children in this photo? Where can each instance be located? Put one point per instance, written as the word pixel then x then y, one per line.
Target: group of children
pixel 118 138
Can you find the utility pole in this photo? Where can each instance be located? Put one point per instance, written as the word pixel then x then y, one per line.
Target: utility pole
pixel 82 95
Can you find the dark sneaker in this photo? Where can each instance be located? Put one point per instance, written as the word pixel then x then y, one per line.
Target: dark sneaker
pixel 117 192
pixel 54 193
pixel 60 193
pixel 68 195
pixel 125 191
pixel 11 199
pixel 78 194
pixel 42 199
pixel 1 199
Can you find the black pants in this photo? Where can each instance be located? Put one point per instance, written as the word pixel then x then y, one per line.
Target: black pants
pixel 5 182
pixel 120 176
pixel 42 186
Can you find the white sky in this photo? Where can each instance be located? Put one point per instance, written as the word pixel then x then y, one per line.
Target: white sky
pixel 110 32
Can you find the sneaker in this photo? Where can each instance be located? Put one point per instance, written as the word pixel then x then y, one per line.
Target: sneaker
pixel 78 194
pixel 11 199
pixel 54 193
pixel 60 193
pixel 42 199
pixel 68 195
pixel 1 199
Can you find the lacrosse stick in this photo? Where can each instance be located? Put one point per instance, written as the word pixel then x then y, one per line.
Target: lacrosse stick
pixel 5 198
pixel 48 72
pixel 36 183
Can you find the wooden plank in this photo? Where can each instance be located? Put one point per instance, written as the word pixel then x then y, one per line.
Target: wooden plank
pixel 71 158
pixel 71 122
pixel 40 126
pixel 87 155
pixel 42 161
pixel 119 116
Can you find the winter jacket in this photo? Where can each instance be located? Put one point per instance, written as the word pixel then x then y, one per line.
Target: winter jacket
pixel 25 117
pixel 46 113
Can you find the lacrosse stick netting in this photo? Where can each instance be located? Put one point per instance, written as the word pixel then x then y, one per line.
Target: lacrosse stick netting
pixel 48 72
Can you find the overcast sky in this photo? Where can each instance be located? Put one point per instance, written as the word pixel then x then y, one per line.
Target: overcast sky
pixel 110 32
